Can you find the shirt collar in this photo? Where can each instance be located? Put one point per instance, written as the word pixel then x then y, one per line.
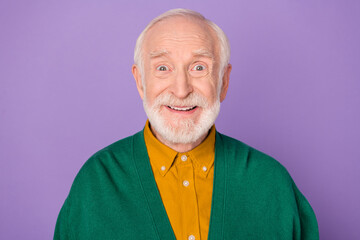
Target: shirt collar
pixel 162 157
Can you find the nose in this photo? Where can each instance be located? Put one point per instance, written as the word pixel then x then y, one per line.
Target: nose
pixel 181 86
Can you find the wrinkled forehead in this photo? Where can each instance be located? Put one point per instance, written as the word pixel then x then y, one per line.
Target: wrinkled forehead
pixel 182 30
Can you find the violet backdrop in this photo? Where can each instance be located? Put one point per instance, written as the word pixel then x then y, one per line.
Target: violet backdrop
pixel 66 91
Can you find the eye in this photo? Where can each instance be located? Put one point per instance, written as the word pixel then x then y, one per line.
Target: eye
pixel 199 67
pixel 162 68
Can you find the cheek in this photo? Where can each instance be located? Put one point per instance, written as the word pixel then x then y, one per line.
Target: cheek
pixel 156 86
pixel 207 87
pixel 152 91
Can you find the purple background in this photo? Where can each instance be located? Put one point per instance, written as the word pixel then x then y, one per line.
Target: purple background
pixel 66 91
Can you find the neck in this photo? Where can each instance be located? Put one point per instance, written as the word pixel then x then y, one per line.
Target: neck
pixel 179 147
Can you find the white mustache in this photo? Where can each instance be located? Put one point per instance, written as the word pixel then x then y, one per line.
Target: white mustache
pixel 168 99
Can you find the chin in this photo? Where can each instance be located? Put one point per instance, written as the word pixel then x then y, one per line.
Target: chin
pixel 182 130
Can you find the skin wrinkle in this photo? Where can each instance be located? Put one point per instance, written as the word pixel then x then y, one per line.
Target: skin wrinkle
pixel 196 53
pixel 201 56
pixel 187 38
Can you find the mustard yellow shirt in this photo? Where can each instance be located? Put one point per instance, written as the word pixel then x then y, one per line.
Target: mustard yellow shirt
pixel 185 183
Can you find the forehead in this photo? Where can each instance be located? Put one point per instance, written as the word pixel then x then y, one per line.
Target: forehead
pixel 180 33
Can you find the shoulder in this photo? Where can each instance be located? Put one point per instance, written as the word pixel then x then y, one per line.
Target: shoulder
pixel 120 147
pixel 119 150
pixel 106 165
pixel 257 164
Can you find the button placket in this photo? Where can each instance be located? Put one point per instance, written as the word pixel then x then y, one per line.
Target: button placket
pixel 188 197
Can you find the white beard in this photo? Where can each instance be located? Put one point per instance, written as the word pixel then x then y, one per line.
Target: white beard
pixel 177 130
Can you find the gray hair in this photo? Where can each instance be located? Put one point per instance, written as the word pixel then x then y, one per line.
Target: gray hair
pixel 223 40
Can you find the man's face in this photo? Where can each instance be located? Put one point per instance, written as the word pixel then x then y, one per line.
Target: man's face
pixel 181 70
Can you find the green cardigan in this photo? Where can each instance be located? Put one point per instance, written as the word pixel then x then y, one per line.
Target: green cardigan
pixel 114 196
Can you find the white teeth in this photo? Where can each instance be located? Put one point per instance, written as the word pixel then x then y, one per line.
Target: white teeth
pixel 181 109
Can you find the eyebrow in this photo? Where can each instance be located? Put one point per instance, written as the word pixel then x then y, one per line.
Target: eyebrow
pixel 159 53
pixel 203 53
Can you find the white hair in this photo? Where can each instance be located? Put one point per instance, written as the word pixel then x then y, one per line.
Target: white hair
pixel 223 40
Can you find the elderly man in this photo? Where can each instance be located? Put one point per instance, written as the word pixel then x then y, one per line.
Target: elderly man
pixel 180 178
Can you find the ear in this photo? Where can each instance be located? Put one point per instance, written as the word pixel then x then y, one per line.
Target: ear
pixel 136 73
pixel 225 82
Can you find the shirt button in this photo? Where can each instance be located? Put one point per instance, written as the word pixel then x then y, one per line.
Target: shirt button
pixel 183 158
pixel 204 168
pixel 191 237
pixel 186 183
pixel 162 168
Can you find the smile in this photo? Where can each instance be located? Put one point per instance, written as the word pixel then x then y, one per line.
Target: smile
pixel 185 109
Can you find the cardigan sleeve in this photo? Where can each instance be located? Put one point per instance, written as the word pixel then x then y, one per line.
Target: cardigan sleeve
pixel 308 223
pixel 62 230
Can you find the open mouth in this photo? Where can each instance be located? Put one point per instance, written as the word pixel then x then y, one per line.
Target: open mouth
pixel 185 109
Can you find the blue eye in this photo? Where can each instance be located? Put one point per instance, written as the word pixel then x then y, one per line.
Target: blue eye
pixel 199 67
pixel 162 68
